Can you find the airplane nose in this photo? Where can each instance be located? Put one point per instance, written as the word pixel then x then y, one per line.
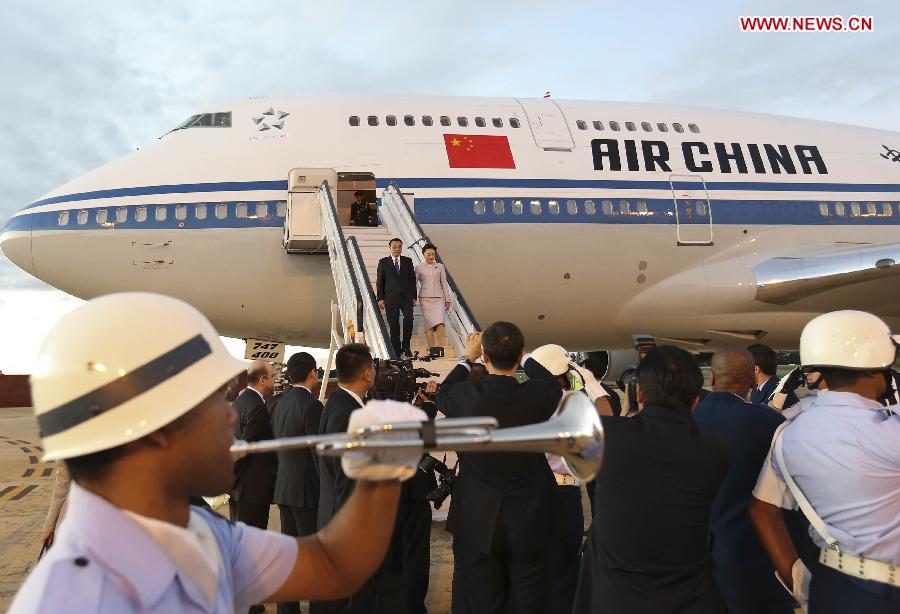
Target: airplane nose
pixel 15 242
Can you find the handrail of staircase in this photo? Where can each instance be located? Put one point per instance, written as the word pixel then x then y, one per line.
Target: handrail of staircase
pixel 343 262
pixel 423 239
pixel 370 305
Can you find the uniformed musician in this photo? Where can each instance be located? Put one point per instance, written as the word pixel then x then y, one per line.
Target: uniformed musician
pixel 839 462
pixel 130 392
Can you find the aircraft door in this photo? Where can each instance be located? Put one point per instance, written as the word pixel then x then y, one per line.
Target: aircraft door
pixel 693 210
pixel 548 124
pixel 303 219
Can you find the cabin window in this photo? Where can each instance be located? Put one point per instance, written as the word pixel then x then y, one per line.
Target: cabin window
pixel 445 121
pixel 497 122
pixel 553 207
pixel 535 207
pixel 677 127
pixel 161 212
pixel 598 125
pixel 240 210
pixel 121 215
pixel 646 127
pixel 630 126
pixel 63 218
pixel 517 207
pixel 479 207
pixel 701 208
pixel 614 126
pixel 839 209
pixel 886 209
pixel 462 121
pixel 514 122
pixel 572 207
pixel 607 207
pixel 354 120
pixel 101 216
pixel 262 210
pixel 662 127
pixel 222 120
pixel 479 121
pixel 409 120
pixel 823 210
pixel 140 214
pixel 589 207
pixel 693 128
pixel 221 211
pixel 642 207
pixel 391 120
pixel 82 217
pixel 582 125
pixel 854 209
pixel 280 208
pixel 200 211
pixel 624 207
pixel 427 121
pixel 499 207
pixel 372 120
pixel 180 212
pixel 871 209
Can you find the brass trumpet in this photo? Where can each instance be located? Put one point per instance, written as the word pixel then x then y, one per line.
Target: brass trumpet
pixel 574 433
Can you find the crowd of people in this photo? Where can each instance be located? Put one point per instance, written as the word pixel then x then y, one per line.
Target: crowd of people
pixel 740 499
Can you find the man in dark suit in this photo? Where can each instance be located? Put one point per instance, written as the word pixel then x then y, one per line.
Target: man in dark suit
pixel 765 375
pixel 743 571
pixel 254 475
pixel 500 514
pixel 647 552
pixel 297 414
pixel 396 292
pixel 383 592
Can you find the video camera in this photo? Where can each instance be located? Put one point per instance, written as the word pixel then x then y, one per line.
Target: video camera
pixel 446 479
pixel 396 380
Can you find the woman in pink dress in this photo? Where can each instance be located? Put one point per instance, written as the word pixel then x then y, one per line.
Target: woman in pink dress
pixel 434 295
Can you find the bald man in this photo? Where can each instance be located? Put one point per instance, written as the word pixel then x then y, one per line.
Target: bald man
pixel 254 475
pixel 744 573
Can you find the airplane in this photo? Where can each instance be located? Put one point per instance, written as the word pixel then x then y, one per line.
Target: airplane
pixel 583 222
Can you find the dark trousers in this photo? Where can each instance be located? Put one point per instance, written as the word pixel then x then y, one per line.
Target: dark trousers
pixel 297 522
pixel 509 577
pixel 254 514
pixel 833 592
pixel 415 525
pixel 393 311
pixel 565 544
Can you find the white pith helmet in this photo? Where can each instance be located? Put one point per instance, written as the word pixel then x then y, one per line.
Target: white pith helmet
pixel 552 357
pixel 848 340
pixel 120 367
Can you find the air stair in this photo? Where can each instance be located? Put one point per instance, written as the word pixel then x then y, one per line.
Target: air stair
pixel 312 225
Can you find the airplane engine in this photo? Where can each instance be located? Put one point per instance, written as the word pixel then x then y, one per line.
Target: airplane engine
pixel 615 361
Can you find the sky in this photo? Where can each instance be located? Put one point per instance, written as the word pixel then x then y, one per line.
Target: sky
pixel 86 83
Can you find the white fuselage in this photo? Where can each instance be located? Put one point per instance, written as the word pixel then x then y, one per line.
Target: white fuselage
pixel 594 235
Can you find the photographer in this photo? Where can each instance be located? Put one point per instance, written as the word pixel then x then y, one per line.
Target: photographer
pixel 500 515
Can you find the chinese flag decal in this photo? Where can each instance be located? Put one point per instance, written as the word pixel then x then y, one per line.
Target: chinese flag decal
pixel 478 151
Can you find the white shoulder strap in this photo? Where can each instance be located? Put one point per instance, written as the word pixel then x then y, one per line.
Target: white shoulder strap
pixel 805 506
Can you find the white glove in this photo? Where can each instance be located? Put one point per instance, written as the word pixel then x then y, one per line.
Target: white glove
pixel 800 578
pixel 591 386
pixel 382 465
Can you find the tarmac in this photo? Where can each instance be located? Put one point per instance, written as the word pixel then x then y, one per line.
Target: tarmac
pixel 26 485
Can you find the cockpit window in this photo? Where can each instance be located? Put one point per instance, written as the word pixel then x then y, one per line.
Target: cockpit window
pixel 221 119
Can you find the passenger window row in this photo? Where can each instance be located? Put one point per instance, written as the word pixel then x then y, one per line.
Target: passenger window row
pixel 428 120
pixel 632 127
pixel 200 211
pixel 555 207
pixel 857 209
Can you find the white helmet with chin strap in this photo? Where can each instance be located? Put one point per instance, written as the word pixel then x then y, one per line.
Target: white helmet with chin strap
pixel 552 357
pixel 847 340
pixel 122 366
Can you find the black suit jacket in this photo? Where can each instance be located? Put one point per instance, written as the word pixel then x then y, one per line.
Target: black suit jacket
pixel 761 395
pixel 743 569
pixel 254 475
pixel 520 482
pixel 391 287
pixel 334 486
pixel 647 552
pixel 297 413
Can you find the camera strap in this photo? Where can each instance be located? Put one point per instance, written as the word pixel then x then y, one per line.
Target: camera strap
pixel 429 435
